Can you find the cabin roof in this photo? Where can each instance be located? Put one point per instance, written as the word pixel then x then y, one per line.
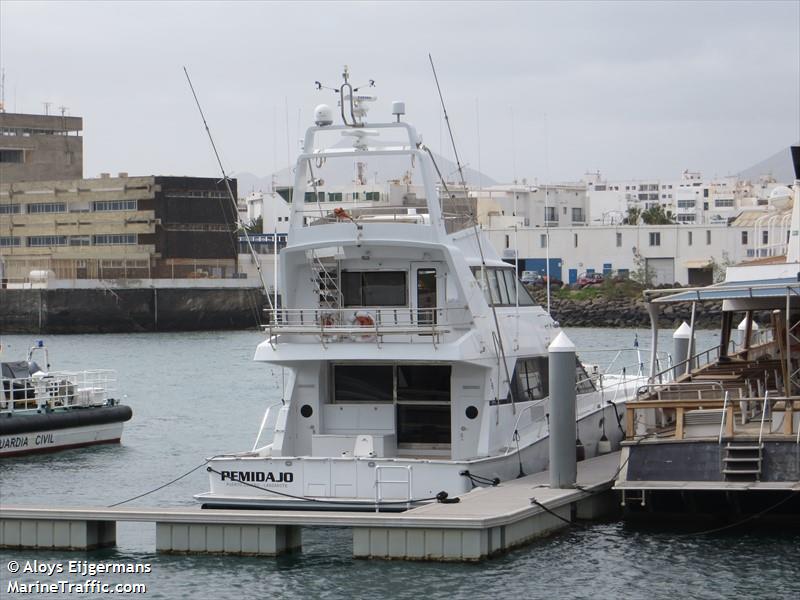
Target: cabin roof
pixel 729 290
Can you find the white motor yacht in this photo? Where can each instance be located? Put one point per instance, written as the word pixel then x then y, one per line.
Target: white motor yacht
pixel 414 362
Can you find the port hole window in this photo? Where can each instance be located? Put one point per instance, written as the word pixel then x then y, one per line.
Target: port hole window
pixel 375 288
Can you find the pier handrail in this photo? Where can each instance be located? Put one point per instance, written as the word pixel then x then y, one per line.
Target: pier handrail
pixel 763 416
pixel 722 420
pixel 692 359
pixel 679 384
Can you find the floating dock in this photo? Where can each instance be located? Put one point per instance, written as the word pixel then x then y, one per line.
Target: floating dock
pixel 487 521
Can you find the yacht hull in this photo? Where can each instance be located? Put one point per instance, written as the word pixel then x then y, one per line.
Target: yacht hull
pixel 349 483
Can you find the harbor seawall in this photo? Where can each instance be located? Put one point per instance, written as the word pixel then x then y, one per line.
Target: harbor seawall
pixel 129 310
pixel 625 312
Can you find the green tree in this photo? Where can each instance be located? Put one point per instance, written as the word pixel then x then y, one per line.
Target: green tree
pixel 633 216
pixel 642 273
pixel 655 215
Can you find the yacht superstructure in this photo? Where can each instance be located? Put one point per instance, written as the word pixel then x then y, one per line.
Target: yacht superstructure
pixel 414 362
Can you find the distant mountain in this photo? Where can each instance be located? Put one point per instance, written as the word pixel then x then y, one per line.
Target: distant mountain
pixel 391 167
pixel 779 165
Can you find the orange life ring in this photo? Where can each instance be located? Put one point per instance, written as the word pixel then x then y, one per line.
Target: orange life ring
pixel 365 321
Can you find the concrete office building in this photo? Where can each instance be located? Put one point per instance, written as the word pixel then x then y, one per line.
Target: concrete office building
pixel 40 147
pixel 112 253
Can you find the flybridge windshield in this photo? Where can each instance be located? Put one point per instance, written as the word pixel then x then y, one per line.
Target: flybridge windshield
pixel 374 188
pixel 363 188
pixel 500 286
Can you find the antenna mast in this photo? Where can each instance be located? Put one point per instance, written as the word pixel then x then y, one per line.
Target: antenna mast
pixel 226 179
pixel 497 334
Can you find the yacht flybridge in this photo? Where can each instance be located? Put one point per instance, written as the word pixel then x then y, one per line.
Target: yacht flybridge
pixel 414 362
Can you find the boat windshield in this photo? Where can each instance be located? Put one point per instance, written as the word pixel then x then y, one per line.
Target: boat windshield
pixel 374 180
pixel 500 287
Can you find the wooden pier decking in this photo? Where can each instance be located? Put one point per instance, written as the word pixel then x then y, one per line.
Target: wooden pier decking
pixel 485 522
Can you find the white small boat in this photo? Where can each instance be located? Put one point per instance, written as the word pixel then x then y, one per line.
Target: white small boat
pixel 45 411
pixel 415 365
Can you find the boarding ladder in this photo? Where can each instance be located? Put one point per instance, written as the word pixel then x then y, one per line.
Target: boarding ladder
pixel 325 278
pixel 379 482
pixel 742 461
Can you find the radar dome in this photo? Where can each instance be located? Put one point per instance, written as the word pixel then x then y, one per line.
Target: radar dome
pixel 780 191
pixel 323 115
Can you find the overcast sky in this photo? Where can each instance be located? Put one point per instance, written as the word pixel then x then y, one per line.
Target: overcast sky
pixel 635 90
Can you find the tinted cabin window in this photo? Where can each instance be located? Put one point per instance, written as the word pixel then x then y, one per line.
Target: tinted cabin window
pixel 503 288
pixel 363 383
pixel 374 288
pixel 423 383
pixel 529 381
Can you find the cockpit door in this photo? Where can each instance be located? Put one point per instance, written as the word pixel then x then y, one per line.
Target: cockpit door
pixel 426 278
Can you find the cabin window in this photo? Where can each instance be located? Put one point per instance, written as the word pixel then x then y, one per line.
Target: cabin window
pixel 374 288
pixel 503 287
pixel 423 404
pixel 363 383
pixel 311 197
pixel 529 381
pixel 423 383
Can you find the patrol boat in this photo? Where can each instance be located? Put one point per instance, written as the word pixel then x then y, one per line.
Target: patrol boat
pixel 414 364
pixel 44 411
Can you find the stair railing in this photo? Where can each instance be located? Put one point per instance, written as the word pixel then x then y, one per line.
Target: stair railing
pixel 722 420
pixel 763 416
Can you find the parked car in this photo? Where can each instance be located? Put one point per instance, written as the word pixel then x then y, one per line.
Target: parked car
pixel 555 282
pixel 531 278
pixel 589 279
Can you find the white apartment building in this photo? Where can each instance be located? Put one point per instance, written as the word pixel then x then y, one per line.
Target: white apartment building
pixel 690 198
pixel 683 253
pixel 556 205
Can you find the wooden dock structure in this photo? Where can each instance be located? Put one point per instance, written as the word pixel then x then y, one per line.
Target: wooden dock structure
pixel 486 521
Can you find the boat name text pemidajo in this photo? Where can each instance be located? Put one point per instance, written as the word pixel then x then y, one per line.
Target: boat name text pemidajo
pixel 257 476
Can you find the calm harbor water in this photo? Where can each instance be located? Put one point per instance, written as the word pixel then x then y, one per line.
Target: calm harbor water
pixel 198 394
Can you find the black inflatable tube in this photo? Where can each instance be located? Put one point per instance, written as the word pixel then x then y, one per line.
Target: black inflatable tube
pixel 74 417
